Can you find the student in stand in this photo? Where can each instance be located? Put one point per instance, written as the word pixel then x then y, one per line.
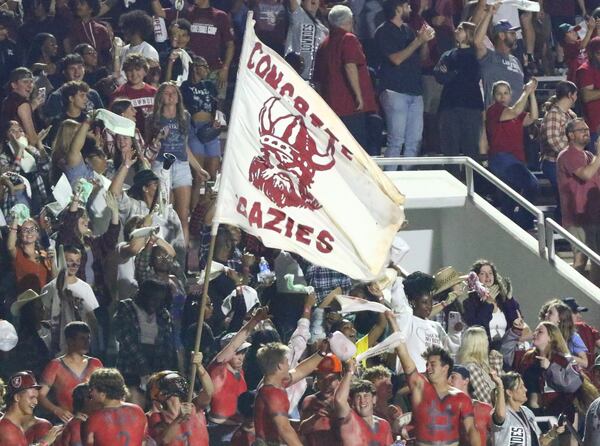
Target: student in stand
pixel 272 405
pixel 22 398
pixel 173 421
pixel 116 421
pixel 354 406
pixel 432 396
pixel 460 378
pixel 64 373
pixel 512 420
pixel 169 116
pixel 504 126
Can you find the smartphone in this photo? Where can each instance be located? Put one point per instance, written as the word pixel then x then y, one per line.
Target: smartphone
pixel 42 94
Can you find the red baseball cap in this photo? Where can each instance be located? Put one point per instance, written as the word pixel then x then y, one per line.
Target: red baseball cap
pixel 21 381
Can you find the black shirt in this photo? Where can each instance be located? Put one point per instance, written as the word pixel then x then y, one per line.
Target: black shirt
pixel 461 81
pixel 406 77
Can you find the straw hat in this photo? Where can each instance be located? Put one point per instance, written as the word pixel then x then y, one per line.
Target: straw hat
pixel 445 279
pixel 24 298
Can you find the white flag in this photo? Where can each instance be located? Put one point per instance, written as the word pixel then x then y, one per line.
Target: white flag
pixel 294 176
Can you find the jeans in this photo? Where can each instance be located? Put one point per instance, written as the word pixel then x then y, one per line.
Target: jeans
pixel 549 171
pixel 404 122
pixel 515 173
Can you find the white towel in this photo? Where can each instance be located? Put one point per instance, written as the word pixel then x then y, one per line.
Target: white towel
pixel 351 304
pixel 523 5
pixel 389 343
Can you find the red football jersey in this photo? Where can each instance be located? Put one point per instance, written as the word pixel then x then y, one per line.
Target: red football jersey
pixel 242 437
pixel 192 432
pixel 270 402
pixel 319 432
pixel 116 426
pixel 355 431
pixel 11 434
pixel 227 387
pixel 71 434
pixel 62 380
pixel 37 431
pixel 439 420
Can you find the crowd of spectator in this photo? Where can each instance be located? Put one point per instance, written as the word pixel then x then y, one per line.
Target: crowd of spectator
pixel 104 236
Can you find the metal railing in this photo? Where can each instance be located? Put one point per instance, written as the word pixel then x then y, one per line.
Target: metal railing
pixel 552 227
pixel 472 166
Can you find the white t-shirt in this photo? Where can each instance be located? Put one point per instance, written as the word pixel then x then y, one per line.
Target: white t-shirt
pixel 148 326
pixel 144 48
pixel 127 284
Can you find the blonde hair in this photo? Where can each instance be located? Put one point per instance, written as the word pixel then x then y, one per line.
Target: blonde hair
pixel 269 356
pixel 474 347
pixel 182 116
pixel 557 342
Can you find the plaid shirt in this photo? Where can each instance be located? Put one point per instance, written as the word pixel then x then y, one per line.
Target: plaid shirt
pixel 482 383
pixel 130 359
pixel 325 280
pixel 101 247
pixel 38 179
pixel 552 132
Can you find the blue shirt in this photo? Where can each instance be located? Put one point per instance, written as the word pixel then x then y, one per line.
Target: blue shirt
pixel 176 140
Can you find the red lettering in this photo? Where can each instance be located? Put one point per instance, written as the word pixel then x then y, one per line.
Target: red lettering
pixel 324 242
pixel 241 206
pixel 289 225
pixel 301 105
pixel 314 120
pixel 255 216
pixel 278 217
pixel 346 152
pixel 264 64
pixel 287 89
pixel 257 49
pixel 274 77
pixel 302 233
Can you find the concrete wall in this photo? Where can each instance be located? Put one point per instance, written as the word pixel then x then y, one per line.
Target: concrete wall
pixel 458 235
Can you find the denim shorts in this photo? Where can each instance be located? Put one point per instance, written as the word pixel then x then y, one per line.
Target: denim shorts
pixel 181 174
pixel 207 149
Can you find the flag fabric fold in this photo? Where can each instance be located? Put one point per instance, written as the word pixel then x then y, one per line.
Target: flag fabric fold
pixel 294 176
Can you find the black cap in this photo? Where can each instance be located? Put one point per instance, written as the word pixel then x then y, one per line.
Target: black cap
pixel 462 371
pixel 573 305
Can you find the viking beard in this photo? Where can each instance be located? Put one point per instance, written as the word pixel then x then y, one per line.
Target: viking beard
pixel 282 187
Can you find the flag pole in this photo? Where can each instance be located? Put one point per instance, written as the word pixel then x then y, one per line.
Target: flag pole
pixel 214 230
pixel 211 250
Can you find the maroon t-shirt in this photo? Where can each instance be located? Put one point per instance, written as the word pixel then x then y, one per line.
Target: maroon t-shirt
pixel 586 75
pixel 355 431
pixel 117 426
pixel 142 100
pixel 337 50
pixel 504 136
pixel 211 31
pixel 575 56
pixel 11 434
pixel 578 198
pixel 270 402
pixel 589 335
pixel 94 34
